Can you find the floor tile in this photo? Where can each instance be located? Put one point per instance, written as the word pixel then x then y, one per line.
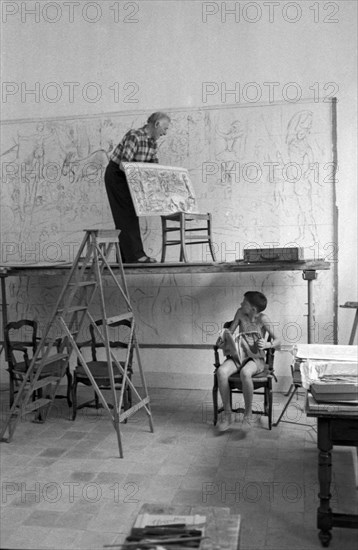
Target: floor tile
pixel 64 485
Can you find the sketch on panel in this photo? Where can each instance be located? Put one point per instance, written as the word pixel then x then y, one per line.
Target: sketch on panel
pixel 159 190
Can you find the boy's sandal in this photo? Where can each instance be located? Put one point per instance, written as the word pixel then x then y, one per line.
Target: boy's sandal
pixel 147 260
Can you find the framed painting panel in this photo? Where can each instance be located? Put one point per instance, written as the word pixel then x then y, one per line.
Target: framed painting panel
pixel 159 190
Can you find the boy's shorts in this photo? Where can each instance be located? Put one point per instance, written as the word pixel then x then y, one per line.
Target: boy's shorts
pixel 228 345
pixel 260 365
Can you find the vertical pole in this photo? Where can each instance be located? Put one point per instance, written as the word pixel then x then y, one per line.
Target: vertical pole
pixel 309 275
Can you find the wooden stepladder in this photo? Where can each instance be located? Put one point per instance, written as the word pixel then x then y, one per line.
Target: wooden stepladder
pixel 84 284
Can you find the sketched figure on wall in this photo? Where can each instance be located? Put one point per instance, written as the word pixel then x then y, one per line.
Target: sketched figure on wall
pixel 300 153
pixel 32 155
pixel 230 157
pixel 234 135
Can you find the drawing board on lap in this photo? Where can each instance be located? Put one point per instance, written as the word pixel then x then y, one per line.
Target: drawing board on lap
pixel 158 190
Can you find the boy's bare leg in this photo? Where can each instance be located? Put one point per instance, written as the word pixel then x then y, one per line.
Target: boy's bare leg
pixel 246 374
pixel 223 373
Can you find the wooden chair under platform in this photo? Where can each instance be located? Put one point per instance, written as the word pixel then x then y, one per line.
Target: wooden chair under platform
pixel 99 368
pixel 190 229
pixel 262 386
pixel 21 341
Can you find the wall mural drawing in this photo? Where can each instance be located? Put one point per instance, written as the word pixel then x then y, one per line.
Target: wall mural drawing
pixel 265 172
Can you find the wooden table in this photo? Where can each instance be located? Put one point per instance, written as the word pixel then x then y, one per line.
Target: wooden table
pixel 337 424
pixel 222 530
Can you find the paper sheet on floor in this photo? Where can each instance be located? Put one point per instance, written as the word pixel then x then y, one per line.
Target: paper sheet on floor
pixel 144 520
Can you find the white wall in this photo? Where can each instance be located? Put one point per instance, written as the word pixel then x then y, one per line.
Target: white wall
pixel 159 54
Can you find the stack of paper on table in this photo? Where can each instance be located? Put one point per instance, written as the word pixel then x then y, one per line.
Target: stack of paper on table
pixel 332 371
pixel 340 392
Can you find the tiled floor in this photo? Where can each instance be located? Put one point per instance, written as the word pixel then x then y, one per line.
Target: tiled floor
pixel 63 485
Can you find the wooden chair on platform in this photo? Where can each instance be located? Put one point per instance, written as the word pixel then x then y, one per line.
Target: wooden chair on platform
pixel 99 368
pixel 262 386
pixel 21 342
pixel 189 232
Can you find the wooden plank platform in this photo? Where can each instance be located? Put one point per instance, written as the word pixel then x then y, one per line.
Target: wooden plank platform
pixel 240 266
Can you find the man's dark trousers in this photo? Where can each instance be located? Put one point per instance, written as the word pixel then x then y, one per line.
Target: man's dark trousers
pixel 123 213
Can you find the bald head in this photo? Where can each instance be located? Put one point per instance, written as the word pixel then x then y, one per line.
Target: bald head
pixel 158 124
pixel 156 117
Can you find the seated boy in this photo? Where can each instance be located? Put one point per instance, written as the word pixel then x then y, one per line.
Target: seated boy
pixel 244 345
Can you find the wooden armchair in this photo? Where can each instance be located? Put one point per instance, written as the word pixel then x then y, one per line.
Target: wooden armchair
pixel 262 385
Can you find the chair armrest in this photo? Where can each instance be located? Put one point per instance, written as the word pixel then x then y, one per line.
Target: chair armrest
pixel 216 357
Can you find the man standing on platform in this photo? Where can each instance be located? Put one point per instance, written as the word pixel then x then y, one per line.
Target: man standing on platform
pixel 136 146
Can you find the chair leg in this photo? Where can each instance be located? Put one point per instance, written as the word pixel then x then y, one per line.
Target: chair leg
pixel 215 399
pixel 183 254
pixel 69 386
pixel 12 390
pixel 211 246
pixel 269 409
pixel 286 406
pixel 74 397
pixel 164 239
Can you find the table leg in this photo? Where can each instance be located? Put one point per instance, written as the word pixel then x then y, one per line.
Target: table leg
pixel 324 512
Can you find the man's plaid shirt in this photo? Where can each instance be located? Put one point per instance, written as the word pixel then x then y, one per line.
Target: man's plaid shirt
pixel 136 146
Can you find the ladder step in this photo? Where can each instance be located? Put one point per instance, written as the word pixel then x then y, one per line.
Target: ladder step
pixel 134 409
pixel 34 405
pixel 106 235
pixel 117 318
pixel 107 240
